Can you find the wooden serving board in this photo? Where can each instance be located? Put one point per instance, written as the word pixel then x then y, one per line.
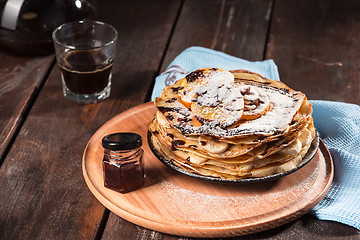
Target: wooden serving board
pixel 177 204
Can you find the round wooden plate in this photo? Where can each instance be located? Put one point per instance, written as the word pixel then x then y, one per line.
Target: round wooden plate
pixel 177 204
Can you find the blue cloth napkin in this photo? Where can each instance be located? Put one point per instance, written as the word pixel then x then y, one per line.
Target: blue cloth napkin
pixel 339 127
pixel 337 123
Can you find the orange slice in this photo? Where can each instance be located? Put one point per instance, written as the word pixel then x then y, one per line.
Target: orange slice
pixel 188 91
pixel 207 113
pixel 201 78
pixel 256 102
pixel 220 104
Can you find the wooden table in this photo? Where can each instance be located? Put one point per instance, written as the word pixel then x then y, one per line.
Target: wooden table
pixel 43 194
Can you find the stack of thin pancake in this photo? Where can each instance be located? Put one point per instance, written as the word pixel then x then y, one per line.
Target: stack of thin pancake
pixel 232 125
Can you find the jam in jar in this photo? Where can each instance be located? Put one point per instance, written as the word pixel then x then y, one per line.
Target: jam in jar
pixel 122 163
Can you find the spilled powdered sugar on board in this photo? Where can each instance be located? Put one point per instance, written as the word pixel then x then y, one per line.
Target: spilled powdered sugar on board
pixel 202 207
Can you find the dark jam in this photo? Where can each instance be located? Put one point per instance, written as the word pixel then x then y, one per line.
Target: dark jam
pixel 86 72
pixel 123 162
pixel 124 176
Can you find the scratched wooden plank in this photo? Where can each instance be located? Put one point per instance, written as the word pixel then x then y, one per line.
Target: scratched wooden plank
pixel 118 228
pixel 43 192
pixel 20 79
pixel 235 27
pixel 316 47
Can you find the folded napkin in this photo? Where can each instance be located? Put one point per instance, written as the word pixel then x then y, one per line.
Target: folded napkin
pixel 339 127
pixel 337 123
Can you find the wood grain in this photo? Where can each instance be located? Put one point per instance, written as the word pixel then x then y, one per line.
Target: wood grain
pixel 43 192
pixel 20 80
pixel 177 204
pixel 239 29
pixel 315 45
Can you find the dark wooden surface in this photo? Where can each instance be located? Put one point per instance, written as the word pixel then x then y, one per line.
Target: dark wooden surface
pixel 21 78
pixel 43 195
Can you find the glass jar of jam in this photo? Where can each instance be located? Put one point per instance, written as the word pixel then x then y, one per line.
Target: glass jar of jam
pixel 122 163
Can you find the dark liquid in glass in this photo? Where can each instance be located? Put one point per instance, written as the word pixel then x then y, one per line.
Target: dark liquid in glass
pixel 86 72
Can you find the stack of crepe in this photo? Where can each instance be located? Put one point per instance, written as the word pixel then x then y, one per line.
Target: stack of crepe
pixel 231 125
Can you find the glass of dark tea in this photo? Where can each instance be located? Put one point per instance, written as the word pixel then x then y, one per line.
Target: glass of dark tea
pixel 85 52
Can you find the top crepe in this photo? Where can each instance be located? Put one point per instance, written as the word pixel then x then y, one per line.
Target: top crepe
pixel 278 102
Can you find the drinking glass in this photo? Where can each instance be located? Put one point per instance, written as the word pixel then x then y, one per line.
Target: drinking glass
pixel 85 52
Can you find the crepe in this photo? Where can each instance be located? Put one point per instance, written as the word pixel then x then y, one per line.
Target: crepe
pixel 232 124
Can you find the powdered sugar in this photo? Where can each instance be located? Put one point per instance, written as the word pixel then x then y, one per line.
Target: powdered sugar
pixel 221 77
pixel 215 78
pixel 215 202
pixel 284 105
pixel 221 104
pixel 249 92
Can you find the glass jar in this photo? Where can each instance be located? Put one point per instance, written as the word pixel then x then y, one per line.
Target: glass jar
pixel 122 163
